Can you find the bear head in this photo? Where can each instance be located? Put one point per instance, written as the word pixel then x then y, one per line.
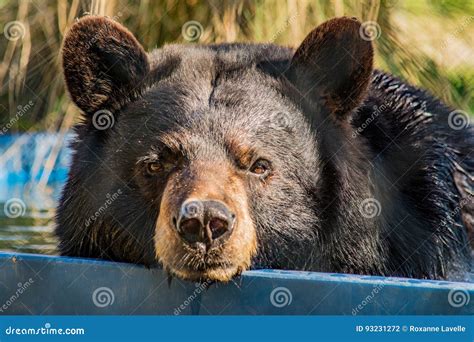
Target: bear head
pixel 217 150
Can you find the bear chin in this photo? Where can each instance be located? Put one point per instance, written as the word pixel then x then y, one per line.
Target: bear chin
pixel 220 263
pixel 212 265
pixel 221 274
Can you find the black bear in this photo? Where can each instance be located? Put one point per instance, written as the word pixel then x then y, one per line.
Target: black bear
pixel 210 160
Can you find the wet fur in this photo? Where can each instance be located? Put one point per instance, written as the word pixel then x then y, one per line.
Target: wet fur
pixel 308 216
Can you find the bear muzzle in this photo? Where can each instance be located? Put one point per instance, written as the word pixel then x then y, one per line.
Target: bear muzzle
pixel 204 228
pixel 204 224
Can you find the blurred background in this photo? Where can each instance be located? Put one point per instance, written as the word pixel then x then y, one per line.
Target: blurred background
pixel 429 43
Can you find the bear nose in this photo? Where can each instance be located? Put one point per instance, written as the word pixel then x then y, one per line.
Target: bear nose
pixel 204 222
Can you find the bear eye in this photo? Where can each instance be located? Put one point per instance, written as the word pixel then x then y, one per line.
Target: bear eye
pixel 153 168
pixel 261 167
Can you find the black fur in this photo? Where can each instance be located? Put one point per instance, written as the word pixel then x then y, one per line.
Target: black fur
pixel 394 144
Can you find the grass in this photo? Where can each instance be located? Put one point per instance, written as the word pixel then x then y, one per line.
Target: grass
pixel 429 43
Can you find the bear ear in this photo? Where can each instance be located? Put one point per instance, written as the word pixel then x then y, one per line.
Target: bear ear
pixel 103 64
pixel 333 65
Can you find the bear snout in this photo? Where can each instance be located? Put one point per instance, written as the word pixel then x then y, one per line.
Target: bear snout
pixel 204 224
pixel 203 232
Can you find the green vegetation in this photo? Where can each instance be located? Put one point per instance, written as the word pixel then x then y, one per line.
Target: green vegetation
pixel 429 43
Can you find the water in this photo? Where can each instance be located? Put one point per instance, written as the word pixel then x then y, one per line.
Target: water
pixel 27 221
pixel 27 235
pixel 33 168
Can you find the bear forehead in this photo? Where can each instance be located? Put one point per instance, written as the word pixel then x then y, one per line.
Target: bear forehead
pixel 219 86
pixel 230 75
pixel 213 101
pixel 225 56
